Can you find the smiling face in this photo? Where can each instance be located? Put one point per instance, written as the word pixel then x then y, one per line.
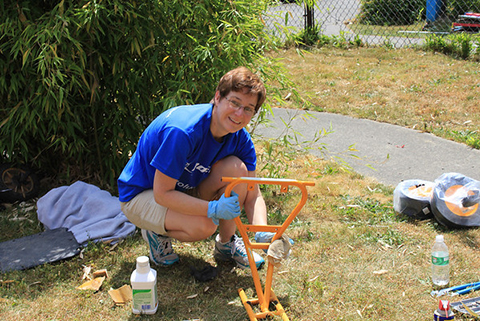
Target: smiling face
pixel 227 119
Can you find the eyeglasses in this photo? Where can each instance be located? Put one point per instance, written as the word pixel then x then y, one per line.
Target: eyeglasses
pixel 249 111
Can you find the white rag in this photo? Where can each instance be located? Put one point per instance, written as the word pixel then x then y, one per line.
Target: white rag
pixel 90 213
pixel 279 250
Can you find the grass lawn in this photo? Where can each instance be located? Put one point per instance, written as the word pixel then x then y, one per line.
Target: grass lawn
pixel 354 258
pixel 410 88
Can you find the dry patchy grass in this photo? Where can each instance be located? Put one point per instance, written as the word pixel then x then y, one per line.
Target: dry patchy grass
pixel 406 87
pixel 354 258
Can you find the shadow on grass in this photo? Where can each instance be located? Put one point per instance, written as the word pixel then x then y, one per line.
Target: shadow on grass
pixel 182 297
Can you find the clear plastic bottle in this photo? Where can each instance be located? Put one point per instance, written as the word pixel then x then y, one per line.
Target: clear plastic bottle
pixel 440 262
pixel 144 287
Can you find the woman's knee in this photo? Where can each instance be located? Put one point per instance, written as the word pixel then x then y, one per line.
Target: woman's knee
pixel 213 186
pixel 204 229
pixel 231 166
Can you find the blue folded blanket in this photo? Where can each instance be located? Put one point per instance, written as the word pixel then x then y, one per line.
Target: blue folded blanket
pixel 90 213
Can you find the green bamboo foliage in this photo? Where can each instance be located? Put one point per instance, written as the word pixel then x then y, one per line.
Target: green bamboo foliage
pixel 81 79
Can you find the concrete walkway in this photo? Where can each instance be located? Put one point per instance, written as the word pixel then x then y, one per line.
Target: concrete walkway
pixel 395 153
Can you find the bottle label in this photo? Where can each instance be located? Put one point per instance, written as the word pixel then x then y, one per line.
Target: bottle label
pixel 440 260
pixel 142 300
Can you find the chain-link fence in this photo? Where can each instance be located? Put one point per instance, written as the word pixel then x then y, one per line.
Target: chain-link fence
pixel 395 22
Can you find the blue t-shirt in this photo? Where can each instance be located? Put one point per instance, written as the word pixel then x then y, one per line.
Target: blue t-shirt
pixel 180 145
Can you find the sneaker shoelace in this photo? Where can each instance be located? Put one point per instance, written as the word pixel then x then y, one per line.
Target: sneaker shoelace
pixel 164 246
pixel 240 245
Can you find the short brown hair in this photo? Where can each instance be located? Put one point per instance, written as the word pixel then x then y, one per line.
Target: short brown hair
pixel 239 79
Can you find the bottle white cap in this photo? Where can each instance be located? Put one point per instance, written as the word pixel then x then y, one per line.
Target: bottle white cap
pixel 143 262
pixel 439 238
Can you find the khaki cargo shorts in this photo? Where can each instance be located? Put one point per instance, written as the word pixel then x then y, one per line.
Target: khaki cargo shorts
pixel 145 213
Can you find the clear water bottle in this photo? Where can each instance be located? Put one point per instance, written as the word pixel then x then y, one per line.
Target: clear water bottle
pixel 440 262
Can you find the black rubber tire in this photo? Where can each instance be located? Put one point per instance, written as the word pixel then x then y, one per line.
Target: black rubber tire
pixel 17 183
pixel 454 210
pixel 412 198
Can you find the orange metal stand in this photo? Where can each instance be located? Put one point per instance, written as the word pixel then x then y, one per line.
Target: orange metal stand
pixel 265 299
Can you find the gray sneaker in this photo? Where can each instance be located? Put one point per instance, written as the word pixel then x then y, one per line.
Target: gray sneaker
pixel 235 251
pixel 161 251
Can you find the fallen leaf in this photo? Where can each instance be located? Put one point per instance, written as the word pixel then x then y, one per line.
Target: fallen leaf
pixel 6 281
pixel 313 279
pixel 192 296
pixel 86 272
pixel 385 245
pixel 22 17
pixel 380 272
pixel 34 283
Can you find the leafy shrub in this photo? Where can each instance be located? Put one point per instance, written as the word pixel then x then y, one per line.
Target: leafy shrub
pixel 453 8
pixel 391 12
pixel 438 43
pixel 81 79
pixel 458 45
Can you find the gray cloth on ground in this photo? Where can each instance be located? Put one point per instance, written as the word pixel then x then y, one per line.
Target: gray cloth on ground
pixel 90 213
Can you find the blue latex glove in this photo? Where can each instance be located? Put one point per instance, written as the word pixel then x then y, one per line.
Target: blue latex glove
pixel 226 208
